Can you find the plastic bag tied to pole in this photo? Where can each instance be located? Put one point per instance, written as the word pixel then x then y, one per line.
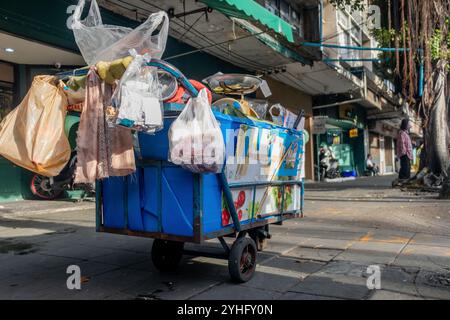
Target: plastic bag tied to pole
pixel 102 42
pixel 32 135
pixel 136 103
pixel 195 139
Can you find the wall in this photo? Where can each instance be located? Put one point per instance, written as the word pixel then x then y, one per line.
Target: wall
pixel 329 28
pixel 288 96
pixel 6 72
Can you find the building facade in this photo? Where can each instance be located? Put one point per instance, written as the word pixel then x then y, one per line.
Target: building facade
pixel 304 49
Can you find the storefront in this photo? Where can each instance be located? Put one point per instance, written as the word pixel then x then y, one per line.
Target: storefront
pixel 382 145
pixel 342 129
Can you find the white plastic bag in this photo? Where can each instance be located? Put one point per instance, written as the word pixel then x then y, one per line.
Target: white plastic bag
pixel 101 42
pixel 195 140
pixel 137 98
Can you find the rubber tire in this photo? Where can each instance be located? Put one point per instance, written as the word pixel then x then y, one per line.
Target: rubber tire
pixel 166 254
pixel 40 196
pixel 234 259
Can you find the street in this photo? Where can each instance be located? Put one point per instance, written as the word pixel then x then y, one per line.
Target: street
pixel 347 228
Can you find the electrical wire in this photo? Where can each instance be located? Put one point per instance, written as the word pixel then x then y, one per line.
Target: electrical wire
pixel 250 64
pixel 206 39
pixel 219 55
pixel 256 64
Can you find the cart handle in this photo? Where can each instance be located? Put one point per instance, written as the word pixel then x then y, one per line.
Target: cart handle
pixel 163 65
pixel 160 64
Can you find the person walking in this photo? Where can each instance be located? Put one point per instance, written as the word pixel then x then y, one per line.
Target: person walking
pixel 404 150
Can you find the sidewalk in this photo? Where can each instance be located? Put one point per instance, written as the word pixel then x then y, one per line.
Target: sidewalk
pixel 26 207
pixel 347 228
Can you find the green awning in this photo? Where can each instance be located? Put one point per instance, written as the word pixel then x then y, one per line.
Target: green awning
pixel 249 9
pixel 344 124
pixel 271 42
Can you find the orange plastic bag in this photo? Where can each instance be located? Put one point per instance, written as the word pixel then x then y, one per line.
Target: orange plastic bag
pixel 32 135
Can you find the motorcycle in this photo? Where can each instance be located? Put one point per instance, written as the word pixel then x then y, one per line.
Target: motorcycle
pixel 50 188
pixel 329 165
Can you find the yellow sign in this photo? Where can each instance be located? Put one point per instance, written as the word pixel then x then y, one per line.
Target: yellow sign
pixel 353 133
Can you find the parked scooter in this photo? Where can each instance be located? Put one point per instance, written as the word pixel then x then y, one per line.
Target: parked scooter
pixel 329 165
pixel 50 188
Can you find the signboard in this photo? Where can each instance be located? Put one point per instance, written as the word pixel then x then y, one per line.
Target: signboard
pixel 260 155
pixel 319 125
pixel 353 133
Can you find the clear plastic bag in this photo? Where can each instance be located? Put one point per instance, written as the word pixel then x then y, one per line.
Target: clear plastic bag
pixel 101 42
pixel 259 106
pixel 282 116
pixel 137 98
pixel 195 139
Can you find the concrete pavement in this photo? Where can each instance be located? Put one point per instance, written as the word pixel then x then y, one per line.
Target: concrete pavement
pixel 347 228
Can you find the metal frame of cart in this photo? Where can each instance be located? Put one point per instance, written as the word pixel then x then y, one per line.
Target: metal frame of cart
pixel 168 248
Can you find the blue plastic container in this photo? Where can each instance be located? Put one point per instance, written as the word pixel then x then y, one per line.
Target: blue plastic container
pixel 348 173
pixel 161 198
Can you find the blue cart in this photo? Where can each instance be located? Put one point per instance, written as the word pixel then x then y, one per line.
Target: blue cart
pixel 174 206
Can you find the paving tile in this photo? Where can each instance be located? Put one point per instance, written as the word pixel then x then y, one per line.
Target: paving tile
pixel 304 296
pixel 387 236
pixel 174 287
pixel 431 240
pixel 323 243
pixel 368 257
pixel 346 268
pixel 231 291
pixel 32 263
pixel 343 287
pixel 294 265
pixel 77 251
pixel 390 295
pixel 114 281
pixel 279 280
pixel 278 245
pixel 426 257
pixel 122 258
pixel 317 254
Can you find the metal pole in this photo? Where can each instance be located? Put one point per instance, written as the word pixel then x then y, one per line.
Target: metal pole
pixel 336 46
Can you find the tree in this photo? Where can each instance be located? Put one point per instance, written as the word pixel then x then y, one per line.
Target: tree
pixel 421 26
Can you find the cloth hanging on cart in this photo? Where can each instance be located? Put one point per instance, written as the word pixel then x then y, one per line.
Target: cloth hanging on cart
pixel 102 151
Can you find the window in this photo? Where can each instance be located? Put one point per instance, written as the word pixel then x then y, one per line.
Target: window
pixel 282 9
pixel 350 34
pixel 343 19
pixel 272 6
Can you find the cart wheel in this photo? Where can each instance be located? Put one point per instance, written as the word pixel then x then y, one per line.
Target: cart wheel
pixel 166 255
pixel 242 259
